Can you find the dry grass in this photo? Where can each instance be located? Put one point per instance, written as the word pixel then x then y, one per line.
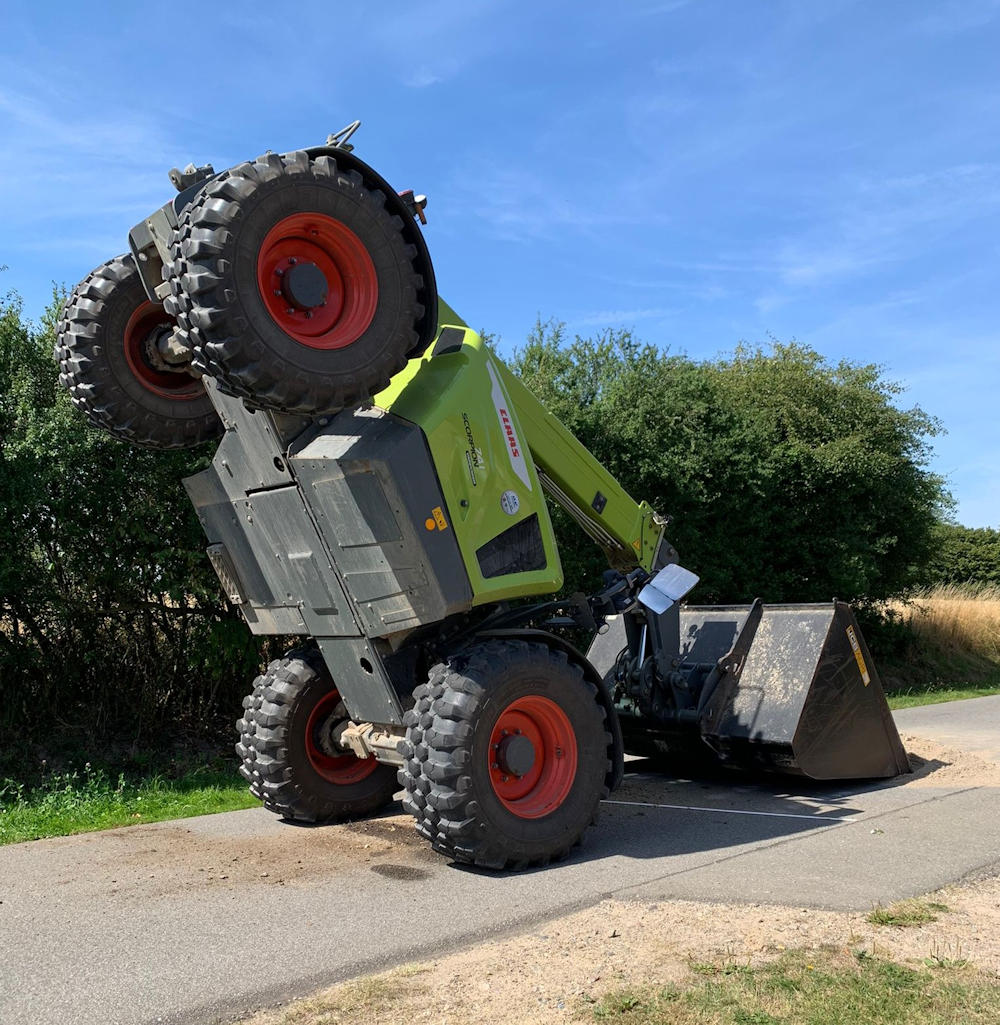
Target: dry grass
pixel 963 619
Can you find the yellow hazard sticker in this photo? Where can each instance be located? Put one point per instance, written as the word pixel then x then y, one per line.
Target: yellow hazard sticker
pixel 858 657
pixel 637 544
pixel 438 513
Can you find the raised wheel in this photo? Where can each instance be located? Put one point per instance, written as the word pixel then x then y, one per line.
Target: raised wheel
pixel 507 755
pixel 289 750
pixel 295 285
pixel 111 363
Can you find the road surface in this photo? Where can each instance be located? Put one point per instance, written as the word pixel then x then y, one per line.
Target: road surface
pixel 204 920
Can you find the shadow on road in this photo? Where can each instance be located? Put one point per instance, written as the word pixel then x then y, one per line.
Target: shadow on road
pixel 664 810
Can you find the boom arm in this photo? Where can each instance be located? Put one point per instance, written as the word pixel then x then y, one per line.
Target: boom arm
pixel 630 532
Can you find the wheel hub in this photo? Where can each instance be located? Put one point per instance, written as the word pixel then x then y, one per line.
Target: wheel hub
pixel 317 281
pixel 304 285
pixel 327 756
pixel 147 328
pixel 516 754
pixel 532 756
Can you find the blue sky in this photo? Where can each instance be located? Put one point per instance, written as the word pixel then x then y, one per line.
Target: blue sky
pixel 703 171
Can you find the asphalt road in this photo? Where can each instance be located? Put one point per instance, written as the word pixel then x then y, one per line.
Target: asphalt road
pixel 204 920
pixel 972 725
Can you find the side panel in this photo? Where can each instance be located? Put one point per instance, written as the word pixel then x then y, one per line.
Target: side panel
pixel 456 395
pixel 370 484
pixel 282 571
pixel 292 558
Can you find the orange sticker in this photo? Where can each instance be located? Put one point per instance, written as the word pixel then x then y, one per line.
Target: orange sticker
pixel 429 523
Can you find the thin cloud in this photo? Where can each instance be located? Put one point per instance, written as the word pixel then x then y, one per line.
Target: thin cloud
pixel 958 16
pixel 422 78
pixel 608 318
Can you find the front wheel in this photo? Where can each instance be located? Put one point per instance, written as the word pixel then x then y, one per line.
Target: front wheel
pixel 289 750
pixel 507 755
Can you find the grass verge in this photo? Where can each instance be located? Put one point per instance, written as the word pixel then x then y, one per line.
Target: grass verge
pixel 937 695
pixel 808 987
pixel 906 913
pixel 79 801
pixel 942 644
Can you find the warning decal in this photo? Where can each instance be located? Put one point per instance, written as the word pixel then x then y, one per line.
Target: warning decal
pixel 859 658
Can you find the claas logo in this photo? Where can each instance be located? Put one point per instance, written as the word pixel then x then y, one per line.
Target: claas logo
pixel 511 436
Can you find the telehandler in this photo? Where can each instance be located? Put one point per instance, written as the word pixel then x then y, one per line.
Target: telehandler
pixel 381 493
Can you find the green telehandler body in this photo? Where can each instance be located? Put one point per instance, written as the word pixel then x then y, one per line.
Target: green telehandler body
pixel 381 492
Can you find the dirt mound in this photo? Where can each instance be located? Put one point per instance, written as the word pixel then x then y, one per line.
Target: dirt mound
pixel 937 766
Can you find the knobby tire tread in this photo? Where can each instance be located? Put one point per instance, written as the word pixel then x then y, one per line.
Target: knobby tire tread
pixel 437 750
pixel 82 350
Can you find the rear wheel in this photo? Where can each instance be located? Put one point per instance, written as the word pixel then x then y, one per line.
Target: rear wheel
pixel 289 749
pixel 295 285
pixel 508 755
pixel 112 366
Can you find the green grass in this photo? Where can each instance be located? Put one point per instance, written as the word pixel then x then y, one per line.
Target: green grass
pixel 933 696
pixel 78 801
pixel 813 988
pixel 907 913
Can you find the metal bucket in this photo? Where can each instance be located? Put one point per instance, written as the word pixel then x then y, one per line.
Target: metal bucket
pixel 808 699
pixel 803 698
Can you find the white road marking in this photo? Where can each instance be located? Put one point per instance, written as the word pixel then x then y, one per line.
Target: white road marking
pixel 735 811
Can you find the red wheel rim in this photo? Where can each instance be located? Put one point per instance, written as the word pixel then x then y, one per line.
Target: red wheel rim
pixel 340 769
pixel 341 257
pixel 541 789
pixel 147 319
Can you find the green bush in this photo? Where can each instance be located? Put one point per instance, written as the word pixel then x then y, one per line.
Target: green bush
pixel 111 620
pixel 964 555
pixel 786 477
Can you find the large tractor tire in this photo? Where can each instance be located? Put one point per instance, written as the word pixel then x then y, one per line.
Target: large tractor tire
pixel 289 751
pixel 295 284
pixel 108 361
pixel 508 755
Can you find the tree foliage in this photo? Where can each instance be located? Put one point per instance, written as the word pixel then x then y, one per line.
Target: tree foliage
pixel 110 616
pixel 786 477
pixel 964 555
